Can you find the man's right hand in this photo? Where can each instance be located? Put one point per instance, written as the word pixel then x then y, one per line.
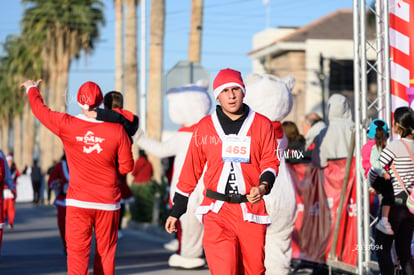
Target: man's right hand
pixel 29 83
pixel 170 224
pixel 256 194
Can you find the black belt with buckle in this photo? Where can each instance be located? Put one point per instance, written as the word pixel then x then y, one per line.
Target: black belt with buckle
pixel 230 198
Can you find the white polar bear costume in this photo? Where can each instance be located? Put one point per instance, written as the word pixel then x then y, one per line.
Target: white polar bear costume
pixel 187 105
pixel 272 97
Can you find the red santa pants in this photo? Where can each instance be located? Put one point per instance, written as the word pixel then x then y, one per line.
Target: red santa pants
pixel 2 224
pixel 79 225
pixel 232 244
pixel 9 210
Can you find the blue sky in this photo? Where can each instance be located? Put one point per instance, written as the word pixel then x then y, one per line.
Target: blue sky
pixel 228 28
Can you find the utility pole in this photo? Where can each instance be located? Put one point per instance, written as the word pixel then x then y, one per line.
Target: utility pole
pixel 196 31
pixel 322 83
pixel 143 68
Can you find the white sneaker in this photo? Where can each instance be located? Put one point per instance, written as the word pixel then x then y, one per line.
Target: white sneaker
pixel 384 227
pixel 172 245
pixel 178 261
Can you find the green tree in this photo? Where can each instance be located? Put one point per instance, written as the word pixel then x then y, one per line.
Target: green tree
pixel 20 60
pixel 64 29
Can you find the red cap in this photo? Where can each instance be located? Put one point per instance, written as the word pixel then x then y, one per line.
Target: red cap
pixel 89 95
pixel 227 78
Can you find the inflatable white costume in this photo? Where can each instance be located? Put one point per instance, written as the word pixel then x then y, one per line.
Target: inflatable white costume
pixel 272 97
pixel 187 105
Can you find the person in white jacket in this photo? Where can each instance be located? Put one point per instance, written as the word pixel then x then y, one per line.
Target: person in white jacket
pixel 333 142
pixel 312 125
pixel 187 105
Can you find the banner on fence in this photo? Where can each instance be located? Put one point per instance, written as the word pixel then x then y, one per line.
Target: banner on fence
pixel 318 193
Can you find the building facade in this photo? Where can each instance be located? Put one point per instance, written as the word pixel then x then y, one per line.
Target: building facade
pixel 320 57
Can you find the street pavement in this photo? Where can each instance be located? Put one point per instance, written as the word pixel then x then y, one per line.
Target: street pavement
pixel 34 247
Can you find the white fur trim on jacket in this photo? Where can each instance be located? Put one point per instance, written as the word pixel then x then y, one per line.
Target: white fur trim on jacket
pixel 28 88
pixel 93 205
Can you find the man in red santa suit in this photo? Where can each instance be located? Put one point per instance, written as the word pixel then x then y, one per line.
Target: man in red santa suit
pixel 238 149
pixel 9 197
pixel 96 151
pixel 59 183
pixel 5 180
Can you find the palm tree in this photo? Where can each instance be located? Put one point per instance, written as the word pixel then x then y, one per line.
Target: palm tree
pixel 21 59
pixel 156 50
pixel 131 68
pixel 64 28
pixel 5 93
pixel 119 69
pixel 131 62
pixel 196 30
pixel 7 105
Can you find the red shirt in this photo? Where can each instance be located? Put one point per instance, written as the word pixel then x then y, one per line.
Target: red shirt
pixel 96 151
pixel 142 171
pixel 59 181
pixel 2 185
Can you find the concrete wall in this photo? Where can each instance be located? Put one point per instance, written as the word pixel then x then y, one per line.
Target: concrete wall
pixel 330 49
pixel 305 67
pixel 293 63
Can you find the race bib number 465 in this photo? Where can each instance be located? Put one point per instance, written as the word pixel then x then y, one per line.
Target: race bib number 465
pixel 236 149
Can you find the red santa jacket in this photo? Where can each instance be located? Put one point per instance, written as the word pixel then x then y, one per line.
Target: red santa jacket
pixel 59 182
pixel 206 149
pixel 2 185
pixel 142 170
pixel 7 192
pixel 94 150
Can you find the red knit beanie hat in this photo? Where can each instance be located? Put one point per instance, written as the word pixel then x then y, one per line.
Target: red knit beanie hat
pixel 89 95
pixel 227 78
